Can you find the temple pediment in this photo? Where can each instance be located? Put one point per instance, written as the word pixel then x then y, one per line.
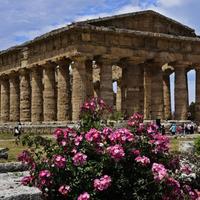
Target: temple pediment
pixel 149 20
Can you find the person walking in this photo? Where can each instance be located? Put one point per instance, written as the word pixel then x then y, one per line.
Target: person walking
pixel 173 129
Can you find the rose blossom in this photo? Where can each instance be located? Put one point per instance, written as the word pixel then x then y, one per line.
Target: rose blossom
pixel 93 135
pixel 116 152
pixel 26 180
pixel 64 189
pixel 136 152
pixel 84 196
pixel 103 183
pixel 59 161
pixel 159 171
pixel 143 160
pixel 79 159
pixel 186 169
pixel 44 176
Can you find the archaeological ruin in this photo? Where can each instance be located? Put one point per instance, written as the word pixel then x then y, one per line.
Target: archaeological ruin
pixel 48 78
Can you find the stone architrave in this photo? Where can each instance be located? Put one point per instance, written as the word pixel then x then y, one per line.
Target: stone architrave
pixel 106 83
pixel 197 108
pixel 181 93
pixel 5 99
pixel 25 96
pixel 167 96
pixel 157 110
pixel 64 94
pixel 78 86
pixel 49 95
pixel 147 92
pixel 14 97
pixel 37 94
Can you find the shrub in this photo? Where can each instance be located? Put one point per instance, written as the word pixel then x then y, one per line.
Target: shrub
pixel 101 163
pixel 197 145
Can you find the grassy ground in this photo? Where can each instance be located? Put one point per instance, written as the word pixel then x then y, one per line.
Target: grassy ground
pixel 14 150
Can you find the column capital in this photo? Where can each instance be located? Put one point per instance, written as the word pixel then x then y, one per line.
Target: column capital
pixel 49 65
pixel 63 62
pixel 23 71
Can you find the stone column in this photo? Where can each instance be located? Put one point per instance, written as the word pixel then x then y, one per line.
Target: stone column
pixel 123 89
pixel 147 92
pixel 119 97
pixel 49 95
pixel 134 78
pixel 167 96
pixel 197 107
pixel 96 89
pixel 89 79
pixel 106 84
pixel 37 98
pixel 14 97
pixel 181 93
pixel 78 86
pixel 157 110
pixel 25 96
pixel 5 99
pixel 64 96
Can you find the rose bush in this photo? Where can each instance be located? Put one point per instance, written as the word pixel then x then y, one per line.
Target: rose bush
pixel 102 163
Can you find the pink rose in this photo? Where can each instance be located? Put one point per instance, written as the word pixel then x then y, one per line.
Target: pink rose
pixel 79 159
pixel 84 196
pixel 103 183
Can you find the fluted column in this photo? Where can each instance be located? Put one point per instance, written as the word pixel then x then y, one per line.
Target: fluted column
pixel 89 79
pixel 157 101
pixel 106 85
pixel 37 95
pixel 25 96
pixel 78 86
pixel 167 96
pixel 5 99
pixel 14 97
pixel 64 96
pixel 197 105
pixel 134 78
pixel 49 94
pixel 147 93
pixel 96 89
pixel 123 89
pixel 119 97
pixel 181 93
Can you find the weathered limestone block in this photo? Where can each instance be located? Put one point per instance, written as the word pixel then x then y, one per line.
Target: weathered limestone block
pixel 64 93
pixel 181 93
pixel 5 105
pixel 147 93
pixel 106 87
pixel 14 98
pixel 78 86
pixel 197 109
pixel 37 95
pixel 157 110
pixel 49 95
pixel 134 78
pixel 25 96
pixel 167 96
pixel 4 153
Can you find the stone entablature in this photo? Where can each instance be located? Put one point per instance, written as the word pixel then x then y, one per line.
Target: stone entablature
pixel 48 78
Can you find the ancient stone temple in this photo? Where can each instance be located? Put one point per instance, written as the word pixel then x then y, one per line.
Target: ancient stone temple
pixel 47 79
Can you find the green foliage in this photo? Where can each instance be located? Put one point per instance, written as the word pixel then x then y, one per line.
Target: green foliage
pixel 197 145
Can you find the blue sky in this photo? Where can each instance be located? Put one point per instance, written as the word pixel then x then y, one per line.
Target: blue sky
pixel 22 20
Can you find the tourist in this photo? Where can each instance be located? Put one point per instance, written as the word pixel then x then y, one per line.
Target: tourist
pixel 173 129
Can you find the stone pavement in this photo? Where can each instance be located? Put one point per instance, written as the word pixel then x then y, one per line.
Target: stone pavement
pixel 11 188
